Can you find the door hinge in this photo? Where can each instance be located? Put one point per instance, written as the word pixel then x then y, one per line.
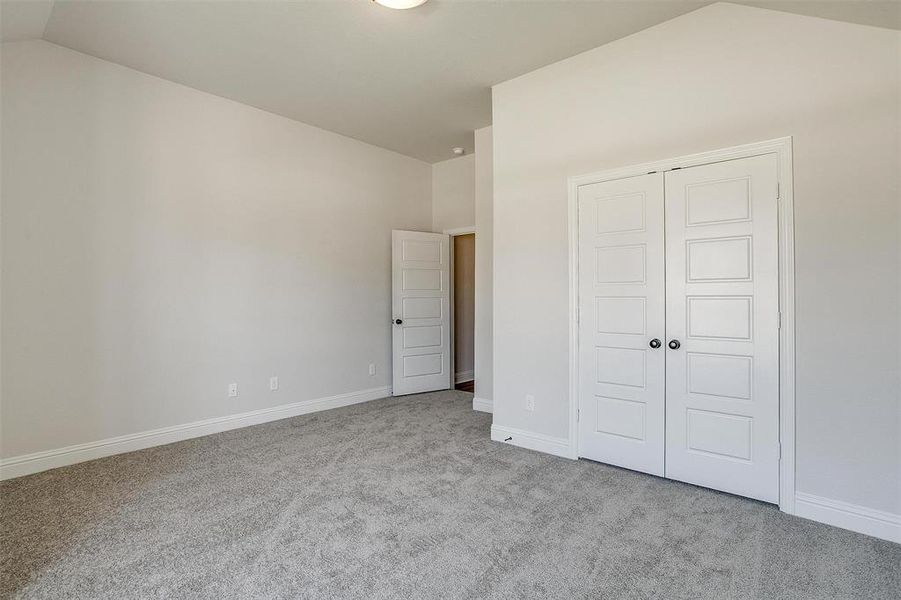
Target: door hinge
pixel 778 191
pixel 578 414
pixel 779 320
pixel 779 448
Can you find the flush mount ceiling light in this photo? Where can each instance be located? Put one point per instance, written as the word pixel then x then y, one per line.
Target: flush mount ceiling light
pixel 400 4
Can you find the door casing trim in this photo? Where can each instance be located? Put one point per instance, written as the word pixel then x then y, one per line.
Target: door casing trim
pixel 782 148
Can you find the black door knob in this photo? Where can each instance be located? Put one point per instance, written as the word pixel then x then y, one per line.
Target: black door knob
pixel 655 343
pixel 674 344
pixel 398 321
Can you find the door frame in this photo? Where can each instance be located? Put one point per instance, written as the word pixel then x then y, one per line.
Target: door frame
pixel 453 307
pixel 782 148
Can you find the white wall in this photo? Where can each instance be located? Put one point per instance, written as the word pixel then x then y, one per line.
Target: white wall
pixel 722 76
pixel 453 189
pixel 461 198
pixel 484 209
pixel 159 243
pixel 464 305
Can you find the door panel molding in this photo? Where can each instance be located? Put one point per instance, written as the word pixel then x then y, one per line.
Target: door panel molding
pixel 420 304
pixel 722 300
pixel 782 149
pixel 622 308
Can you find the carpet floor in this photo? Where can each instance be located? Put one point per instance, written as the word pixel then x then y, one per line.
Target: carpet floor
pixel 407 498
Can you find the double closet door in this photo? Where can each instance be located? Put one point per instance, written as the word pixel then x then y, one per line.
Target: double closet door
pixel 678 325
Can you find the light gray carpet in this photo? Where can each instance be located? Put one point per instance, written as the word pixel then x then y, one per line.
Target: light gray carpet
pixel 407 498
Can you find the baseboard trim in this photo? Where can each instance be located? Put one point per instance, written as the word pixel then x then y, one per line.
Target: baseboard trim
pixel 27 464
pixel 532 441
pixel 483 405
pixel 464 376
pixel 877 523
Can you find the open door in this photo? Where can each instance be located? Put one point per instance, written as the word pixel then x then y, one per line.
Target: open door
pixel 420 283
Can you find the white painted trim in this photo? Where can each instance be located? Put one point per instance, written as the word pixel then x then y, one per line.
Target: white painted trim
pixel 787 467
pixel 532 441
pixel 460 231
pixel 482 405
pixel 70 455
pixel 782 148
pixel 877 523
pixel 464 376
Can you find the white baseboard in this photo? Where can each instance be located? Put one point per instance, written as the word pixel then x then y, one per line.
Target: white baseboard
pixel 464 376
pixel 483 405
pixel 532 441
pixel 877 523
pixel 50 459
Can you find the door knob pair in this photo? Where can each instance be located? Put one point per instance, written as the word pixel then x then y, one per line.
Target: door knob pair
pixel 673 344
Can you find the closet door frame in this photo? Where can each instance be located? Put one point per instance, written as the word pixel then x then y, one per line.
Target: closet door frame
pixel 782 148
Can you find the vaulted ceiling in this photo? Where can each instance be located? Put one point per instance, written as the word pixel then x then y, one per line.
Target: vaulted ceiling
pixel 416 81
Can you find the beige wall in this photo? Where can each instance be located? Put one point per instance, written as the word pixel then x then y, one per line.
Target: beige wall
pixel 159 243
pixel 722 76
pixel 464 304
pixel 484 208
pixel 453 189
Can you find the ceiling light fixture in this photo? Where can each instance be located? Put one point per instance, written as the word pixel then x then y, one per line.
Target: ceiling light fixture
pixel 401 4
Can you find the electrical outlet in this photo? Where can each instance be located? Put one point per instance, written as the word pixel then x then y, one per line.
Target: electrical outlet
pixel 273 383
pixel 530 402
pixel 372 368
pixel 233 390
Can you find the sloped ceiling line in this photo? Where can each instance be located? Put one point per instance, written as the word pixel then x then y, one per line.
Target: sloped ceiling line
pixel 415 81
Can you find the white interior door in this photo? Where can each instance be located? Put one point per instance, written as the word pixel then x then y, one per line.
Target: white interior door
pixel 420 275
pixel 622 310
pixel 722 361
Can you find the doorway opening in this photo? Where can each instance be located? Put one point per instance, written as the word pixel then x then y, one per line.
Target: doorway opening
pixel 433 311
pixel 463 254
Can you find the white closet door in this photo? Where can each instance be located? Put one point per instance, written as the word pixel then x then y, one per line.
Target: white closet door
pixel 421 306
pixel 622 308
pixel 722 389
